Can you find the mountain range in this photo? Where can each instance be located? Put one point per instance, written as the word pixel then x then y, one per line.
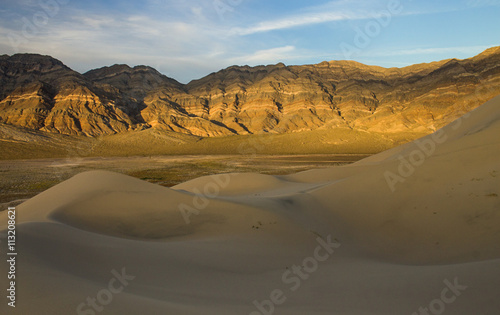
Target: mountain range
pixel 41 93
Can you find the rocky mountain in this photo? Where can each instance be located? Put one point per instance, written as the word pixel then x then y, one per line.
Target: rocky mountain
pixel 41 93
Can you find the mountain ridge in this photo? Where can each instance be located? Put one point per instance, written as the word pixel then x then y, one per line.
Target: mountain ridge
pixel 41 93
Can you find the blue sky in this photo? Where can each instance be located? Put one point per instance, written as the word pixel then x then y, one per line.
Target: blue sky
pixel 189 39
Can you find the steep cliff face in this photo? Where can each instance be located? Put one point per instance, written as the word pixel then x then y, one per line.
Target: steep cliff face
pixel 273 99
pixel 153 100
pixel 39 92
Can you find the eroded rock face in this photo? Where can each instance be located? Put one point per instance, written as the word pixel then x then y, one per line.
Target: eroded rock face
pixel 43 94
pixel 418 98
pixel 39 92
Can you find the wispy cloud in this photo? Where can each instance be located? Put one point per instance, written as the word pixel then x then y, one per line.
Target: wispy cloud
pixel 95 21
pixel 295 21
pixel 340 10
pixel 266 55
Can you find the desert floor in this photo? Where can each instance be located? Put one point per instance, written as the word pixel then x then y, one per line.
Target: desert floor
pixel 23 179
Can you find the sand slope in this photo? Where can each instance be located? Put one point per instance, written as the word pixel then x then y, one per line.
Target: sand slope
pixel 415 226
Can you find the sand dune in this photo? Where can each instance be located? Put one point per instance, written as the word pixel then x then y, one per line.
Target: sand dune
pixel 416 227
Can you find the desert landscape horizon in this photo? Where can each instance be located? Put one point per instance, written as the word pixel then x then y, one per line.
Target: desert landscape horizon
pixel 330 157
pixel 48 110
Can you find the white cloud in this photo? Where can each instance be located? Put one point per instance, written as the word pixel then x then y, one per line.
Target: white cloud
pixel 95 21
pixel 329 12
pixel 294 21
pixel 266 56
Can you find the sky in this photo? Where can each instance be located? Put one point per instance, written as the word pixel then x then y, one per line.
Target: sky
pixel 188 39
